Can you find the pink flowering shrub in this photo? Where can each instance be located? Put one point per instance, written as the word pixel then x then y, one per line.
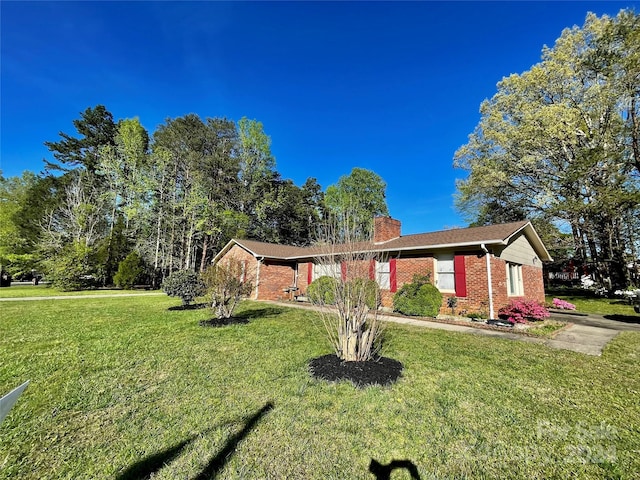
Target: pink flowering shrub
pixel 563 304
pixel 519 311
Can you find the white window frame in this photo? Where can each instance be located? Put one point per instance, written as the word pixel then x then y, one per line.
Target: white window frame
pixel 445 267
pixel 333 270
pixel 383 274
pixel 515 285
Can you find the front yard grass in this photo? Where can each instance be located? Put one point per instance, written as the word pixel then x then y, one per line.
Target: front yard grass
pixel 44 290
pixel 125 388
pixel 598 306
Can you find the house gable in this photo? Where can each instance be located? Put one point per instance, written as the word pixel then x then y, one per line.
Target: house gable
pixel 520 251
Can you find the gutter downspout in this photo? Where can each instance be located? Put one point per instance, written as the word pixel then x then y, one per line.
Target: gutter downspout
pixel 260 259
pixel 489 281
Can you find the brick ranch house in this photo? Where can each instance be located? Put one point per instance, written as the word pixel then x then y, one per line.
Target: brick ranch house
pixel 484 267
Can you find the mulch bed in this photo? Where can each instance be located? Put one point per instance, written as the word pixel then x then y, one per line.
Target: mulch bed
pixel 223 322
pixel 381 371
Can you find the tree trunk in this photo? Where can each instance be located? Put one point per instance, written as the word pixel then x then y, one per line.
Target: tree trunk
pixel 205 244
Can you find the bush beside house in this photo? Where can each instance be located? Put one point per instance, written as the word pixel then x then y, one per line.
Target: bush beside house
pixel 418 298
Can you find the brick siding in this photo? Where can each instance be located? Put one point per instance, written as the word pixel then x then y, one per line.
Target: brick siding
pixel 275 277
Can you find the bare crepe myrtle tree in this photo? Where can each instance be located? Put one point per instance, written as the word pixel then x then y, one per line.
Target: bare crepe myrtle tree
pixel 227 283
pixel 343 252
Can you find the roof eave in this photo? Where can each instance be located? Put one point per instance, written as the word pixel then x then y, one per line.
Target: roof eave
pixel 404 249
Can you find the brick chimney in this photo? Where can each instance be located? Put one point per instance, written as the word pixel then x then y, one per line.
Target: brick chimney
pixel 385 229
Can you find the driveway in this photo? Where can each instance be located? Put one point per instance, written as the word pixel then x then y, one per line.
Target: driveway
pixel 619 323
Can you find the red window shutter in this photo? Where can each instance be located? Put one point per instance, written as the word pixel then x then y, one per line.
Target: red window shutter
pixel 460 276
pixel 309 273
pixel 372 269
pixel 343 270
pixel 393 279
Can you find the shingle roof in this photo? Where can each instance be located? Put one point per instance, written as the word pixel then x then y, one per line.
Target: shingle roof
pixel 454 238
pixel 272 250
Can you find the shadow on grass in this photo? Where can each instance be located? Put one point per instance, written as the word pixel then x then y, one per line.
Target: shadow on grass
pixel 152 463
pixel 618 302
pixel 149 465
pixel 223 322
pixel 260 312
pixel 191 306
pixel 623 318
pixel 218 462
pixel 383 472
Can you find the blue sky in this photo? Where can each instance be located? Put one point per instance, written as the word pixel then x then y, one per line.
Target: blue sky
pixel 391 87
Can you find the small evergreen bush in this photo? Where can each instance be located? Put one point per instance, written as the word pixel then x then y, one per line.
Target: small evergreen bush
pixel 129 271
pixel 323 291
pixel 185 284
pixel 418 298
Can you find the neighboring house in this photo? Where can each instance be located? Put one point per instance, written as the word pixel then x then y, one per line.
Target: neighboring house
pixel 483 267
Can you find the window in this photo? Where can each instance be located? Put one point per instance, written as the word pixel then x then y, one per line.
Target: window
pixel 514 279
pixel 445 275
pixel 333 270
pixel 383 275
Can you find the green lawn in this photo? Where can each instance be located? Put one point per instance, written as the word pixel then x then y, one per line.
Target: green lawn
pixel 21 291
pixel 125 388
pixel 600 306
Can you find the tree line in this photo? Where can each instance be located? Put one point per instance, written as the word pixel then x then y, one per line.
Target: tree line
pixel 560 144
pixel 173 199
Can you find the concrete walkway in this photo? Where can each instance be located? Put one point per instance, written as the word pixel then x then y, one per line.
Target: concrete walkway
pixel 585 339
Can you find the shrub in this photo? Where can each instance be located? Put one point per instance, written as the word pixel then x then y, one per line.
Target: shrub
pixel 452 303
pixel 226 286
pixel 185 284
pixel 367 289
pixel 72 268
pixel 418 298
pixel 129 271
pixel 322 291
pixel 519 311
pixel 563 304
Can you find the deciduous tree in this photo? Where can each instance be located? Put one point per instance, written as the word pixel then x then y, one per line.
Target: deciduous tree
pixel 556 142
pixel 361 196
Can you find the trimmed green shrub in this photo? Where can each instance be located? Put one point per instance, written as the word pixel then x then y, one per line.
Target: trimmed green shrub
pixel 367 289
pixel 185 284
pixel 418 298
pixel 323 290
pixel 129 271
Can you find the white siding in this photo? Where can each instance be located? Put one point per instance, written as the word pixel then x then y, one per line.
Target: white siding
pixel 521 252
